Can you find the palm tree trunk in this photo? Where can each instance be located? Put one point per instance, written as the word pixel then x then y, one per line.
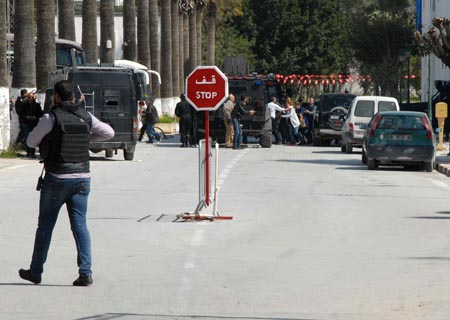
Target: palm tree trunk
pixel 89 33
pixel 166 57
pixel 155 51
pixel 181 50
pixel 107 38
pixel 198 29
pixel 129 30
pixel 142 33
pixel 186 61
pixel 211 11
pixel 24 74
pixel 66 19
pixel 192 40
pixel 175 17
pixel 46 49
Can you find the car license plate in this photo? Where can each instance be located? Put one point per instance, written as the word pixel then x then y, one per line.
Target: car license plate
pixel 334 117
pixel 400 137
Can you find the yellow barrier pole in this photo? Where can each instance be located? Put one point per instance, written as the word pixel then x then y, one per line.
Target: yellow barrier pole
pixel 441 113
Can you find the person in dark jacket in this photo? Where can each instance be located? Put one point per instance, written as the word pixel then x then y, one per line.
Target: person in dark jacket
pixel 151 117
pixel 33 112
pixel 236 113
pixel 23 133
pixel 183 110
pixel 63 136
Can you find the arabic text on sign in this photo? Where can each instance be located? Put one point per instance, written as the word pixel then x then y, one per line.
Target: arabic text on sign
pixel 204 81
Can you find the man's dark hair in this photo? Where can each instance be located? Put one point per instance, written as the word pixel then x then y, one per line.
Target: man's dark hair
pixel 64 89
pixel 182 97
pixel 23 91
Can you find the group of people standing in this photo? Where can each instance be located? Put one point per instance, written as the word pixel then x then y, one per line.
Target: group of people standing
pixel 29 111
pixel 292 124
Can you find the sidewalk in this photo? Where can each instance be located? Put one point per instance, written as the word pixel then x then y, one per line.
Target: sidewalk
pixel 443 160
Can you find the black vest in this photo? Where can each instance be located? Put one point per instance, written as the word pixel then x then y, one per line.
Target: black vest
pixel 65 149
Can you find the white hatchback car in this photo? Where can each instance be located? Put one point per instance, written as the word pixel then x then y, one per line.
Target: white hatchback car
pixel 359 114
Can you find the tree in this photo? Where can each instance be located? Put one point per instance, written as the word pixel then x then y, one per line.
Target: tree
pixel 66 16
pixel 192 38
pixel 107 37
pixel 129 29
pixel 211 12
pixel 297 36
pixel 389 32
pixel 200 4
pixel 46 49
pixel 154 45
pixel 175 19
pixel 166 54
pixel 143 33
pixel 24 73
pixel 436 40
pixel 89 33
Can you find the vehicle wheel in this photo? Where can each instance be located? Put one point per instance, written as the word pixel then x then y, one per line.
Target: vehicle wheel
pixel 364 157
pixel 429 166
pixel 372 164
pixel 265 140
pixel 128 154
pixel 109 153
pixel 348 148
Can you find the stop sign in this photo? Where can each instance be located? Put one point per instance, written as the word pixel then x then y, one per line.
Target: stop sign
pixel 206 88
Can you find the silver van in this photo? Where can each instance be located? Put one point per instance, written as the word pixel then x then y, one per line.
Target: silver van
pixel 359 114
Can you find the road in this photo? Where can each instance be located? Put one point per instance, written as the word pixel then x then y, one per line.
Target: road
pixel 314 235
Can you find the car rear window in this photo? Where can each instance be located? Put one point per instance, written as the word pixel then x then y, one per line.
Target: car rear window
pixel 364 108
pixel 401 122
pixel 386 106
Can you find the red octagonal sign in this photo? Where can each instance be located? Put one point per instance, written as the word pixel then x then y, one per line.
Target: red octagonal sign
pixel 206 88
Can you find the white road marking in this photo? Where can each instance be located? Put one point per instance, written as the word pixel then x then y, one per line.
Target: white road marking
pixel 15 167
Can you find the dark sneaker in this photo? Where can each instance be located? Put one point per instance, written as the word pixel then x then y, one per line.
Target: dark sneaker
pixel 27 275
pixel 83 281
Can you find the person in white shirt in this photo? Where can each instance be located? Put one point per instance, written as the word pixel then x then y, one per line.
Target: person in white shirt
pixel 274 107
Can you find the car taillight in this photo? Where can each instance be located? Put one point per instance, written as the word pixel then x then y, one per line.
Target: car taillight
pixel 351 128
pixel 427 126
pixel 374 125
pixel 135 124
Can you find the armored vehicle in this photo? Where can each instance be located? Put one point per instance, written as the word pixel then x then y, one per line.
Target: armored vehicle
pixel 110 96
pixel 258 89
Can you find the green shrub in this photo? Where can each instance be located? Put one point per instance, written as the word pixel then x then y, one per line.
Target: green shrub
pixel 9 153
pixel 165 118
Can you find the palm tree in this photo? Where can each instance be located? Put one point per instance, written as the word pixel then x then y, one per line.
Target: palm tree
pixel 129 30
pixel 142 33
pixel 3 61
pixel 89 33
pixel 211 11
pixel 166 56
pixel 184 7
pixel 175 17
pixel 24 74
pixel 66 19
pixel 192 38
pixel 198 29
pixel 154 45
pixel 107 37
pixel 46 49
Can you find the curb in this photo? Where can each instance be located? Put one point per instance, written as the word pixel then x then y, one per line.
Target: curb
pixel 443 168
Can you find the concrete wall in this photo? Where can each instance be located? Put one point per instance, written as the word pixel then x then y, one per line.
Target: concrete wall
pixel 4 119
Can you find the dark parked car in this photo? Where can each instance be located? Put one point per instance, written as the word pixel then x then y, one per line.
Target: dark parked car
pixel 329 117
pixel 399 138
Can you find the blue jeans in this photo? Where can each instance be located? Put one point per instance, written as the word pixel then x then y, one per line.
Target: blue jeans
pixel 237 140
pixel 295 133
pixel 54 194
pixel 152 134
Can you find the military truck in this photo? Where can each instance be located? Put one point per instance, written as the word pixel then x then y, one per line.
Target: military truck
pixel 258 89
pixel 110 96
